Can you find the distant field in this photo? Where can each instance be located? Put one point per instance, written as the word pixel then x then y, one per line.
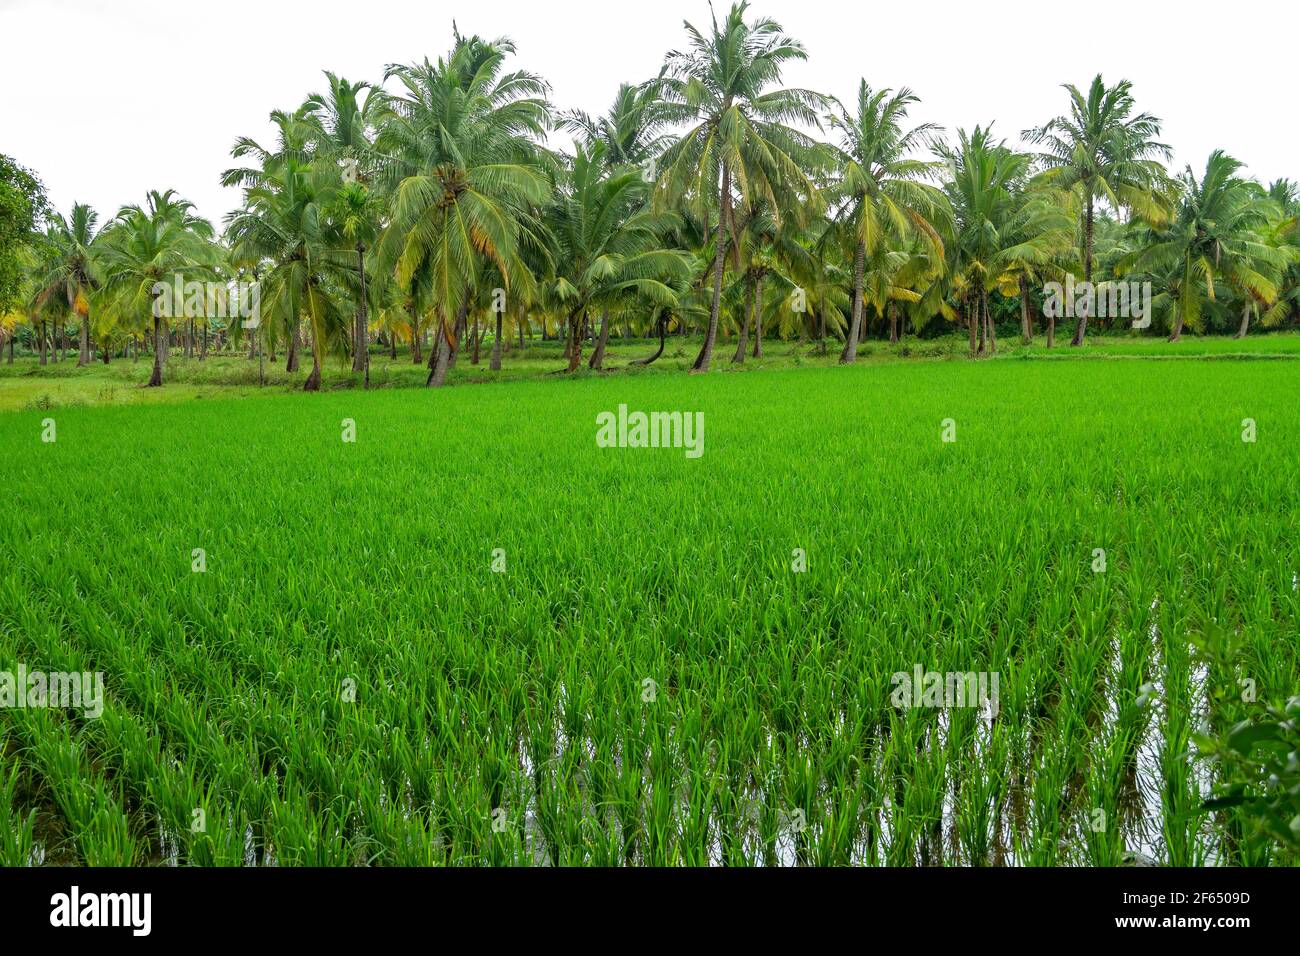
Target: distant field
pixel 25 384
pixel 648 680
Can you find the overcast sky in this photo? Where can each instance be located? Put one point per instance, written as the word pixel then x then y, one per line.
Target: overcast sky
pixel 106 99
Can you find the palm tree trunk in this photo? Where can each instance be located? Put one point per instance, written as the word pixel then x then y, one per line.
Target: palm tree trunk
pixel 441 357
pixel 1245 322
pixel 494 364
pixel 83 355
pixel 972 322
pixel 361 331
pixel 758 319
pixel 988 320
pixel 1177 332
pixel 1081 329
pixel 313 380
pixel 458 333
pixel 11 346
pixel 204 353
pixel 417 350
pixel 850 352
pixel 575 342
pixel 1026 330
pixel 719 267
pixel 155 379
pixel 893 323
pixel 474 358
pixel 739 357
pixel 292 364
pixel 598 356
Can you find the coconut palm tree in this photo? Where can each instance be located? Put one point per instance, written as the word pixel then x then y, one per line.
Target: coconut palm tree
pixel 881 195
pixel 1215 238
pixel 1283 232
pixel 739 143
pixel 608 243
pixel 1106 152
pixel 458 151
pixel 67 276
pixel 285 221
pixel 770 250
pixel 144 249
pixel 987 181
pixel 342 142
pixel 633 132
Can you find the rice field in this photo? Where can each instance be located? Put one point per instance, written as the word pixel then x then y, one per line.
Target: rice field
pixel 471 636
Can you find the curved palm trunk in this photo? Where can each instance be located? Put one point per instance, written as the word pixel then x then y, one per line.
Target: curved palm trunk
pixel 155 379
pixel 850 352
pixel 739 357
pixel 444 346
pixel 719 267
pixel 662 322
pixel 1177 332
pixel 1081 329
pixel 494 364
pixel 598 356
pixel 1245 322
pixel 313 380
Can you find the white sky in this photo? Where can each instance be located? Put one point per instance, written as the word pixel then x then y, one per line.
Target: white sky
pixel 106 100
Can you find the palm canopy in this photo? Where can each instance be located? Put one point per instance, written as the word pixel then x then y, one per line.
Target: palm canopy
pixel 1102 148
pixel 721 88
pixel 882 186
pixel 633 132
pixel 1216 236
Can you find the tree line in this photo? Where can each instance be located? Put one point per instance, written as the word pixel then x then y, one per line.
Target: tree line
pixel 430 208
